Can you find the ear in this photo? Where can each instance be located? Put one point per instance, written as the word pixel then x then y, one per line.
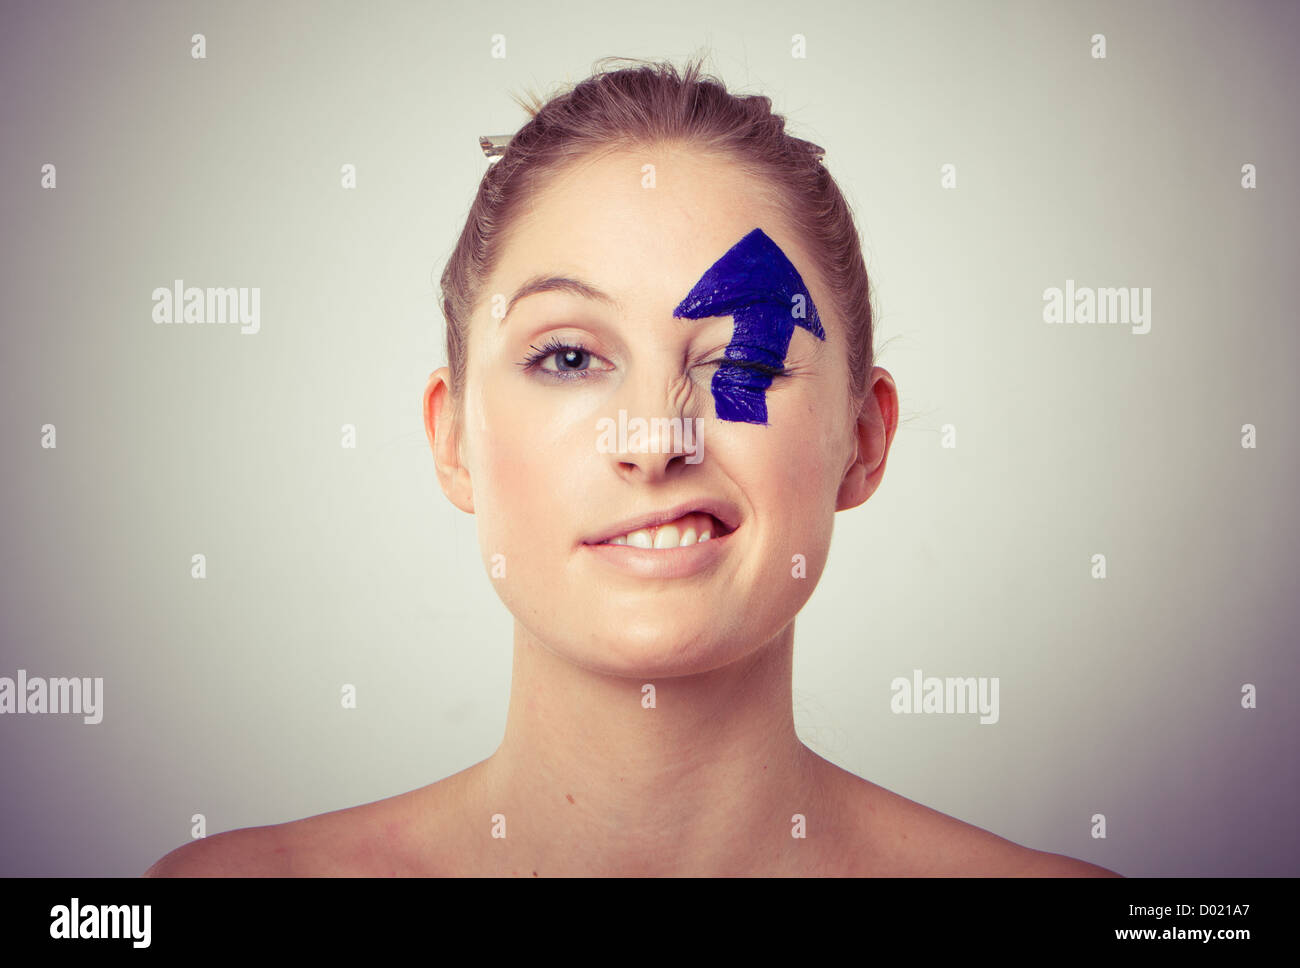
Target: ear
pixel 440 427
pixel 873 433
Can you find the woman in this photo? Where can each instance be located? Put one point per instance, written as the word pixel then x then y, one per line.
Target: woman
pixel 660 390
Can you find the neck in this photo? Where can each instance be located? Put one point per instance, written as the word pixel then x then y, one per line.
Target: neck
pixel 593 780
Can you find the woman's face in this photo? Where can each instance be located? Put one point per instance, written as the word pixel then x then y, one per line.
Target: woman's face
pixel 541 448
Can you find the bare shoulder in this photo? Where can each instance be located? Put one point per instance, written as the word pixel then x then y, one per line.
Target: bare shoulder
pixel 249 852
pixel 378 839
pixel 902 838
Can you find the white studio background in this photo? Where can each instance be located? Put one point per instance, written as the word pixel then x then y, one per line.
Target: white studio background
pixel 327 565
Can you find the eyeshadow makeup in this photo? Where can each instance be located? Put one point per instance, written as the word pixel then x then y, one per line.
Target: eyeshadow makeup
pixel 761 290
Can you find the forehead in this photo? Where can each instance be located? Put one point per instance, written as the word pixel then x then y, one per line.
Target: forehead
pixel 643 225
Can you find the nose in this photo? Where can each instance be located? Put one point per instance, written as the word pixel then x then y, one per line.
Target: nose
pixel 671 447
pixel 657 432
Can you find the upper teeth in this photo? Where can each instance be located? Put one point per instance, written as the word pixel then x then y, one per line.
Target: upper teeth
pixel 686 530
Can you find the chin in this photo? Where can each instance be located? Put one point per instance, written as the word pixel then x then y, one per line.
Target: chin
pixel 657 653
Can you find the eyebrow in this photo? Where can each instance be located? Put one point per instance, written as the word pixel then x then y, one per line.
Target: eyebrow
pixel 550 283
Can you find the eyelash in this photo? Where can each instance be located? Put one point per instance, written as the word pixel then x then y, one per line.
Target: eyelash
pixel 554 346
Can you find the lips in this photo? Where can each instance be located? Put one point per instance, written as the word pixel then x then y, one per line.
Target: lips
pixel 721 516
pixel 659 562
pixel 682 533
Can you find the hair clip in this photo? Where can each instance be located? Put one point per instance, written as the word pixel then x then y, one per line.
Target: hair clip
pixel 494 145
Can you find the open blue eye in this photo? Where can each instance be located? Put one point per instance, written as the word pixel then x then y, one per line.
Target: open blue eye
pixel 567 356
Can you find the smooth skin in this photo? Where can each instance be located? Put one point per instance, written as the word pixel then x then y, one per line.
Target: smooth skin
pixel 589 781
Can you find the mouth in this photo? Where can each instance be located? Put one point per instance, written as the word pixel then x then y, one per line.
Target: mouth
pixel 678 527
pixel 688 542
pixel 687 530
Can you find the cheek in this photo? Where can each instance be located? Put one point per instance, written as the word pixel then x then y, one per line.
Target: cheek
pixel 800 471
pixel 531 462
pixel 800 498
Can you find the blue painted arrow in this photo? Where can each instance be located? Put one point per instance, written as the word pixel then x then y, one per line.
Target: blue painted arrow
pixel 755 284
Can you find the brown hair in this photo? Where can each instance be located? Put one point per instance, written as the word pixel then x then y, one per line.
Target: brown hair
pixel 647 106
